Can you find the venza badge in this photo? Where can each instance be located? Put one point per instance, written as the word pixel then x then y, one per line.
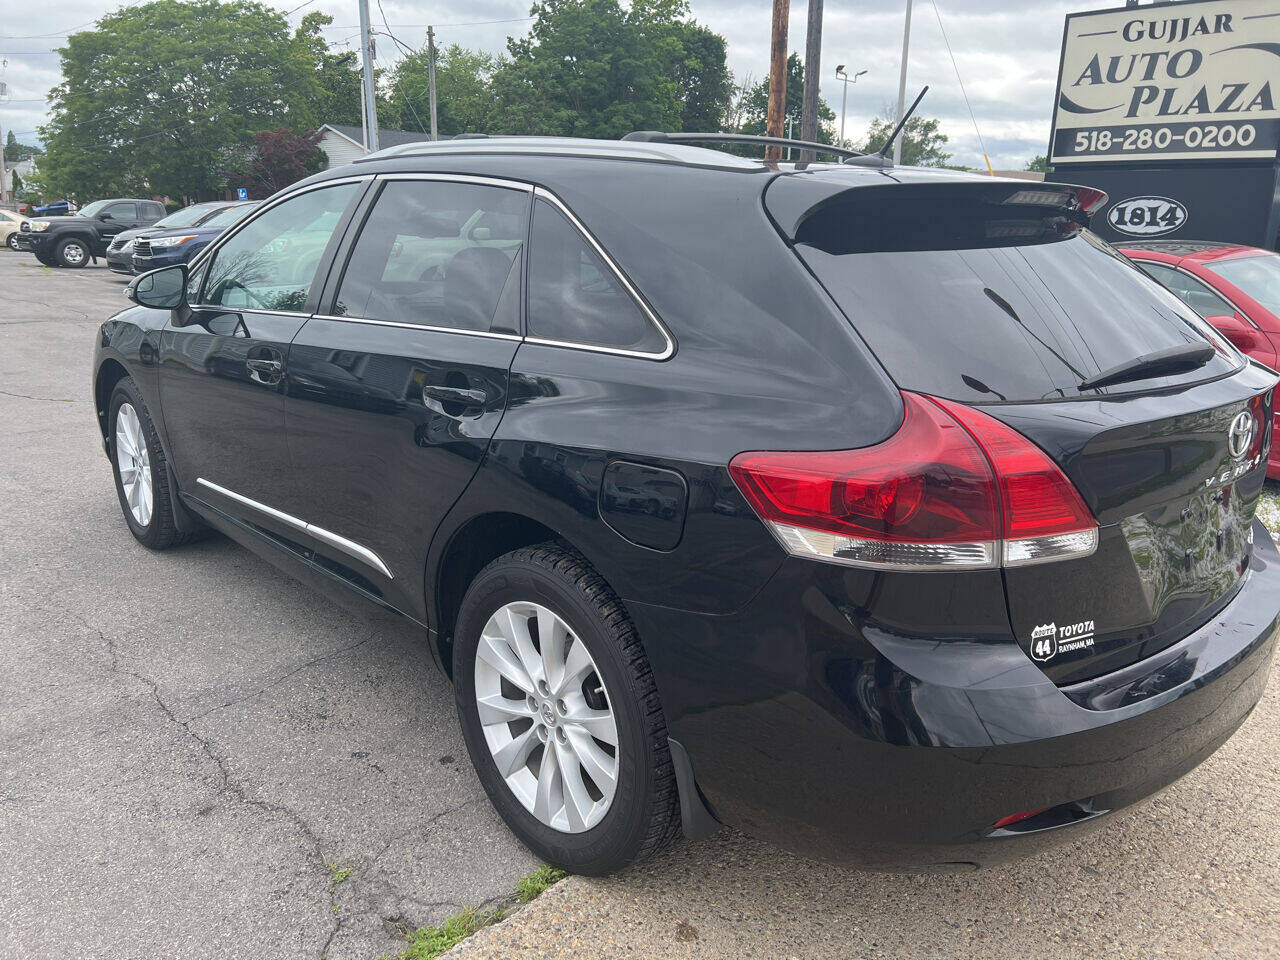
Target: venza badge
pixel 1049 639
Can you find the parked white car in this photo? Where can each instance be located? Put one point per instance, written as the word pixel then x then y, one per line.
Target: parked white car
pixel 10 222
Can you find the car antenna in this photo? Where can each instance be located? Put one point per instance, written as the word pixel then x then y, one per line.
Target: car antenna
pixel 881 159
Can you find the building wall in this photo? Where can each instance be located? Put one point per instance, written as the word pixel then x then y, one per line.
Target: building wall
pixel 339 150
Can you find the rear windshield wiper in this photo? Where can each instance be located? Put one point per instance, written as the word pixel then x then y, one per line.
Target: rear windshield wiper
pixel 1159 363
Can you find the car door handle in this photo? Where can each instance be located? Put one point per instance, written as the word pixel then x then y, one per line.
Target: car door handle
pixel 265 371
pixel 472 398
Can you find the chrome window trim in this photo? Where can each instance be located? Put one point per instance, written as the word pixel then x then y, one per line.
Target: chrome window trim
pixel 418 326
pixel 478 179
pixel 349 547
pixel 665 354
pixel 224 308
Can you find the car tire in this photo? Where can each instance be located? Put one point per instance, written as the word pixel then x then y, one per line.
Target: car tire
pixel 71 252
pixel 44 258
pixel 141 470
pixel 641 813
pixel 12 241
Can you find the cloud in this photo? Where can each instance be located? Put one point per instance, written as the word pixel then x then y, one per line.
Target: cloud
pixel 1006 51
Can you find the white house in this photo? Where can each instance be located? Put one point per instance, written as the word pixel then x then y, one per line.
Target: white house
pixel 343 143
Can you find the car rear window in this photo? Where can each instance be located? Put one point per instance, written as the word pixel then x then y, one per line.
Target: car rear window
pixel 973 295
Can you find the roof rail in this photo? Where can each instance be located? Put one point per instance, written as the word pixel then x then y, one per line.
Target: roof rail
pixel 660 136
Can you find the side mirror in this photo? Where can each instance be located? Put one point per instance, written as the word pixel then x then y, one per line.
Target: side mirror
pixel 1242 336
pixel 105 216
pixel 163 289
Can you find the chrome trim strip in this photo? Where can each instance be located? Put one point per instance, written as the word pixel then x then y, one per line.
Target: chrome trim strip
pixel 419 326
pixel 342 543
pixel 461 178
pixel 622 278
pixel 251 310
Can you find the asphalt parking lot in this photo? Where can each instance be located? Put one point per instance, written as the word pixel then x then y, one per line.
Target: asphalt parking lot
pixel 192 745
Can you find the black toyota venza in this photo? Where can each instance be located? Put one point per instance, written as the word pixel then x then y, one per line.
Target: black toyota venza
pixel 884 513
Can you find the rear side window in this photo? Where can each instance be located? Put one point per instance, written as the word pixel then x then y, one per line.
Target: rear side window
pixel 1195 294
pixel 574 296
pixel 968 296
pixel 438 254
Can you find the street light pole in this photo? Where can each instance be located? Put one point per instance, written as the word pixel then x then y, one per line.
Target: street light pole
pixel 902 87
pixel 366 55
pixel 844 97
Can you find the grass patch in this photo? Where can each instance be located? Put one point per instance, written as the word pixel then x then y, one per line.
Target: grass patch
pixel 531 885
pixel 426 943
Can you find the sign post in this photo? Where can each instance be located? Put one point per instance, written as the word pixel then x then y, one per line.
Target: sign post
pixel 1174 111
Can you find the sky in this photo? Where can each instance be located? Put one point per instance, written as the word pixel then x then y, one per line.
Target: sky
pixel 1006 52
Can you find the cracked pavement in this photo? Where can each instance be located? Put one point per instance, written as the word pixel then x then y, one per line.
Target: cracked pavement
pixel 191 743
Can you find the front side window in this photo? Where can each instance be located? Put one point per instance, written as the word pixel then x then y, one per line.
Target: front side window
pixel 438 254
pixel 574 297
pixel 272 263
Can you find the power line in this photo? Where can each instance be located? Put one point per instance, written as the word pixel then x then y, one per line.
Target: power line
pixel 956 68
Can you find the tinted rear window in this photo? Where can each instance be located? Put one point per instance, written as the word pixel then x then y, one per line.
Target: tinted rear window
pixel 971 297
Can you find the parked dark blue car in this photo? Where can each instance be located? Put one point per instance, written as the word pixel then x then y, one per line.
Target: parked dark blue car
pixel 163 248
pixel 120 252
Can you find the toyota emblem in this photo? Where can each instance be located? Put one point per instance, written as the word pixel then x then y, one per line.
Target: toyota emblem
pixel 1240 436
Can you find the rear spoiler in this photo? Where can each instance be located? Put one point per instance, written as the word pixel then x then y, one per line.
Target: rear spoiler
pixel 793 200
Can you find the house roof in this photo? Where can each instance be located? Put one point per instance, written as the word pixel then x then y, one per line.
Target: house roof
pixel 386 138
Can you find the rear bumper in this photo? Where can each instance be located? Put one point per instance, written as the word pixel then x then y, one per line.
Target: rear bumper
pixel 812 721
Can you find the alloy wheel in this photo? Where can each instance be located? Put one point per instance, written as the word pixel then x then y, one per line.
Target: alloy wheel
pixel 73 253
pixel 134 464
pixel 547 718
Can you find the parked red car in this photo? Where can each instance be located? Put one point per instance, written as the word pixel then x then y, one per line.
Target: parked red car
pixel 1237 289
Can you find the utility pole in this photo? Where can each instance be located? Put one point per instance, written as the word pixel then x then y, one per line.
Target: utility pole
pixel 370 104
pixel 777 78
pixel 812 71
pixel 431 77
pixel 4 176
pixel 902 87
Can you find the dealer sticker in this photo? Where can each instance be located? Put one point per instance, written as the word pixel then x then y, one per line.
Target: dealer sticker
pixel 1048 640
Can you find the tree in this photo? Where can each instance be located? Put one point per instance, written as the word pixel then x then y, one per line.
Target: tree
pixel 152 97
pixel 592 68
pixel 337 73
pixel 703 75
pixel 15 150
pixel 922 142
pixel 1039 164
pixel 276 159
pixel 756 106
pixel 463 100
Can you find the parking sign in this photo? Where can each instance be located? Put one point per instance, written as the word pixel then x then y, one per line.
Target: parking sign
pixel 242 193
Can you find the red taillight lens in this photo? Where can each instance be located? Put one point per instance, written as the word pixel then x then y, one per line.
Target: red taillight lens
pixel 1037 498
pixel 951 488
pixel 928 482
pixel 1261 443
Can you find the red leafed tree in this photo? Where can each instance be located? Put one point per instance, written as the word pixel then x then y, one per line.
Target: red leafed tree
pixel 278 158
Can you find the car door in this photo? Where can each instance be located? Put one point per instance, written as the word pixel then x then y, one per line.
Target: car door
pixel 395 391
pixel 223 376
pixel 117 217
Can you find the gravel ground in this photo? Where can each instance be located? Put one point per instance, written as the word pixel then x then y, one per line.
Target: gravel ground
pixel 192 744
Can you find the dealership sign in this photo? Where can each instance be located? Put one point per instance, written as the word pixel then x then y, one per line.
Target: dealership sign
pixel 1186 81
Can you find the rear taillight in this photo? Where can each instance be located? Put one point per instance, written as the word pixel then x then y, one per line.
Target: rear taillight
pixel 951 489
